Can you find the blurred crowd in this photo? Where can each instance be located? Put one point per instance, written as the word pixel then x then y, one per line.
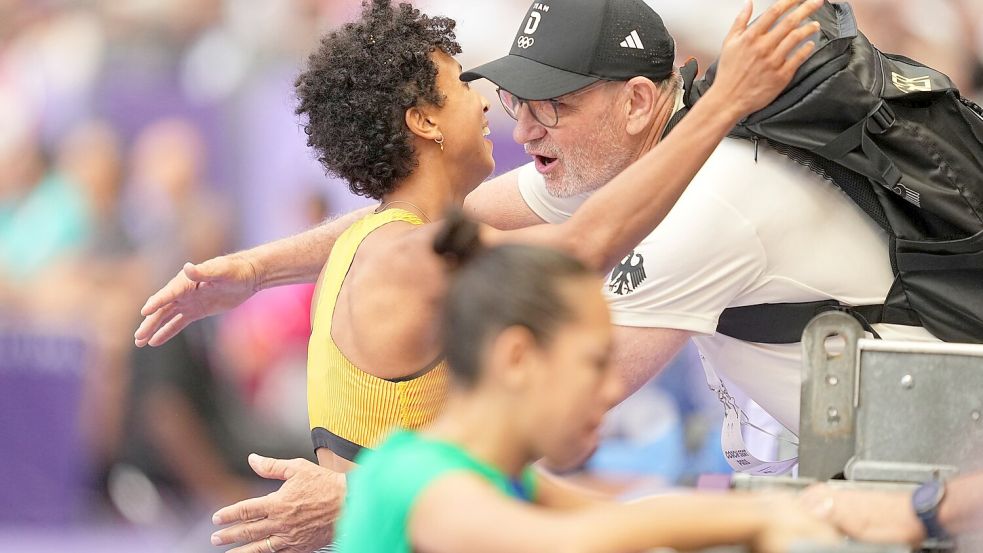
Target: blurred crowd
pixel 136 135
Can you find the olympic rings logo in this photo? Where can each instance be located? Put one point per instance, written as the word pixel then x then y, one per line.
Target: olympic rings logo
pixel 525 42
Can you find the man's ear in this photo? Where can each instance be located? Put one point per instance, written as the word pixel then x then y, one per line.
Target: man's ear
pixel 422 122
pixel 643 98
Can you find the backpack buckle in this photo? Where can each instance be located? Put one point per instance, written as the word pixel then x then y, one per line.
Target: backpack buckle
pixel 853 312
pixel 881 118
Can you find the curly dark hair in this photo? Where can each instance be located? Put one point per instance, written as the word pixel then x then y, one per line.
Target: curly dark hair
pixel 359 84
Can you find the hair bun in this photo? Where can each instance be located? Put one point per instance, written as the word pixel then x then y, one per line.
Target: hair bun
pixel 458 239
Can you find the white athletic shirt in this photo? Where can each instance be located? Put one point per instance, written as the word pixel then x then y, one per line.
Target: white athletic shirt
pixel 745 233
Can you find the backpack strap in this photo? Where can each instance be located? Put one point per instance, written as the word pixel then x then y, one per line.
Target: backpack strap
pixel 783 323
pixel 878 121
pixel 692 91
pixel 674 120
pixel 688 72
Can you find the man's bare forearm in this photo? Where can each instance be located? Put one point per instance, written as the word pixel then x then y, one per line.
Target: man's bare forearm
pixel 961 512
pixel 299 258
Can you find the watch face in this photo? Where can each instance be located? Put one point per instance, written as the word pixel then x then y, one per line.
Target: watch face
pixel 927 496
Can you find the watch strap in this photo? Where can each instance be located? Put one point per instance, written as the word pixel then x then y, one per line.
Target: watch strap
pixel 926 501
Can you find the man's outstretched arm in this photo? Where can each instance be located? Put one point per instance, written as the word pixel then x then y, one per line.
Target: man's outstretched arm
pixel 224 282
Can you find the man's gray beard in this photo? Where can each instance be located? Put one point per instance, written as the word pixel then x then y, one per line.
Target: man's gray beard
pixel 579 180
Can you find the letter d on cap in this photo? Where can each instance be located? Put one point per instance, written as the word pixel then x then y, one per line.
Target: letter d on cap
pixel 533 22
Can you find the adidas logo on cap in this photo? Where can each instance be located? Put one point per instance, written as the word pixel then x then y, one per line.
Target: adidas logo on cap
pixel 632 41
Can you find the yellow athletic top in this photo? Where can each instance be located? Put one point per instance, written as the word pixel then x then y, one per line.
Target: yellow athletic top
pixel 350 409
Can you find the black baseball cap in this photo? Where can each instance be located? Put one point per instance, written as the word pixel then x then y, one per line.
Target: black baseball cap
pixel 565 45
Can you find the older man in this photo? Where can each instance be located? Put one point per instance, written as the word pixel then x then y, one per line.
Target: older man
pixel 753 227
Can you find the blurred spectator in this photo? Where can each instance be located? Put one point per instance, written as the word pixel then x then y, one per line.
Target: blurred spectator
pixel 189 424
pixel 95 285
pixel 173 214
pixel 42 215
pixel 173 404
pixel 48 221
pixel 92 157
pixel 85 289
pixel 177 427
pixel 190 429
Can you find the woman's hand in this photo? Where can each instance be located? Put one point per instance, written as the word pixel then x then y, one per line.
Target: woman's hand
pixel 759 60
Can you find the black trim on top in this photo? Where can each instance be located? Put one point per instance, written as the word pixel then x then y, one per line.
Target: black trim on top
pixel 418 373
pixel 339 446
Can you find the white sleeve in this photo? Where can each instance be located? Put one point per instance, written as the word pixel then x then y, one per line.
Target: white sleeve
pixel 684 274
pixel 553 210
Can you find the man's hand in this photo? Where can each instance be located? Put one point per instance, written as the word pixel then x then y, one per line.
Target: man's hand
pixel 758 61
pixel 297 518
pixel 198 291
pixel 879 517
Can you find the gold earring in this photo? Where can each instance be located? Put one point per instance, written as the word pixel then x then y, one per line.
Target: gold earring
pixel 440 141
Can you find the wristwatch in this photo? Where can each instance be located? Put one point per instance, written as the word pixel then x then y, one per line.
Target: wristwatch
pixel 926 501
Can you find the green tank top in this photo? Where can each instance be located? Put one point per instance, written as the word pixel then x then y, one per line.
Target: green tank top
pixel 384 487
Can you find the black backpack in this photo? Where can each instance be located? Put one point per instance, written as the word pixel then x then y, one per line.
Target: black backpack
pixel 900 141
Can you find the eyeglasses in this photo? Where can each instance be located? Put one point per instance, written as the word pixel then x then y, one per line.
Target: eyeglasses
pixel 545 112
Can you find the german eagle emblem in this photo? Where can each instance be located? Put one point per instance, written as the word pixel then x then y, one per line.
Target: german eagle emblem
pixel 628 274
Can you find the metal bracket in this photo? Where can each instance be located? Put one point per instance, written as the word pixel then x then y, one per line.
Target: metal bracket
pixel 886 471
pixel 920 413
pixel 829 395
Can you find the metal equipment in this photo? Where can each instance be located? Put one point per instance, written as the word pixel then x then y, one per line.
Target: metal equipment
pixel 884 415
